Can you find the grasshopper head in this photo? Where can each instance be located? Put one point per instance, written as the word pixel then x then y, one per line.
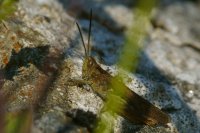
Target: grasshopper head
pixel 89 63
pixel 89 67
pixel 95 76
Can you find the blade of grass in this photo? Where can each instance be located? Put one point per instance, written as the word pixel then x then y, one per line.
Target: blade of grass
pixel 128 61
pixel 7 7
pixel 19 122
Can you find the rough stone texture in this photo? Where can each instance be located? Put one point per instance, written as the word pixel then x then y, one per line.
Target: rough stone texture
pixel 41 51
pixel 176 41
pixel 103 12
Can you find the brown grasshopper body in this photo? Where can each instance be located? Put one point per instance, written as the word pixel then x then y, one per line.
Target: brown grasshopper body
pixel 136 109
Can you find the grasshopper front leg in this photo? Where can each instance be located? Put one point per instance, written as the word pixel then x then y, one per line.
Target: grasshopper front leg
pixel 82 83
pixel 76 82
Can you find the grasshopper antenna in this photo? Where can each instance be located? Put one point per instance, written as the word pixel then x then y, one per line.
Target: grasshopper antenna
pixel 90 27
pixel 86 53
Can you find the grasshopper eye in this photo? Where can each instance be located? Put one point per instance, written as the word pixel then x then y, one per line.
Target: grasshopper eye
pixel 90 62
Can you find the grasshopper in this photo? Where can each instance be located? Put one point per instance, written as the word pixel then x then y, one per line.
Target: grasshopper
pixel 137 110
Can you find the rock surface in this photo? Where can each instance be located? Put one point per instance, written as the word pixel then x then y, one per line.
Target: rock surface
pixel 41 52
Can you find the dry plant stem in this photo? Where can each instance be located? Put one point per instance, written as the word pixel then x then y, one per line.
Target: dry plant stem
pixel 45 81
pixel 2 112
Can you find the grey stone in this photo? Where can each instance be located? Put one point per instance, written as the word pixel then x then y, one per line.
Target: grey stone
pixel 174 48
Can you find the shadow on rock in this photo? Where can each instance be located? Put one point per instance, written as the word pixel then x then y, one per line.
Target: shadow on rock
pixel 23 58
pixel 83 118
